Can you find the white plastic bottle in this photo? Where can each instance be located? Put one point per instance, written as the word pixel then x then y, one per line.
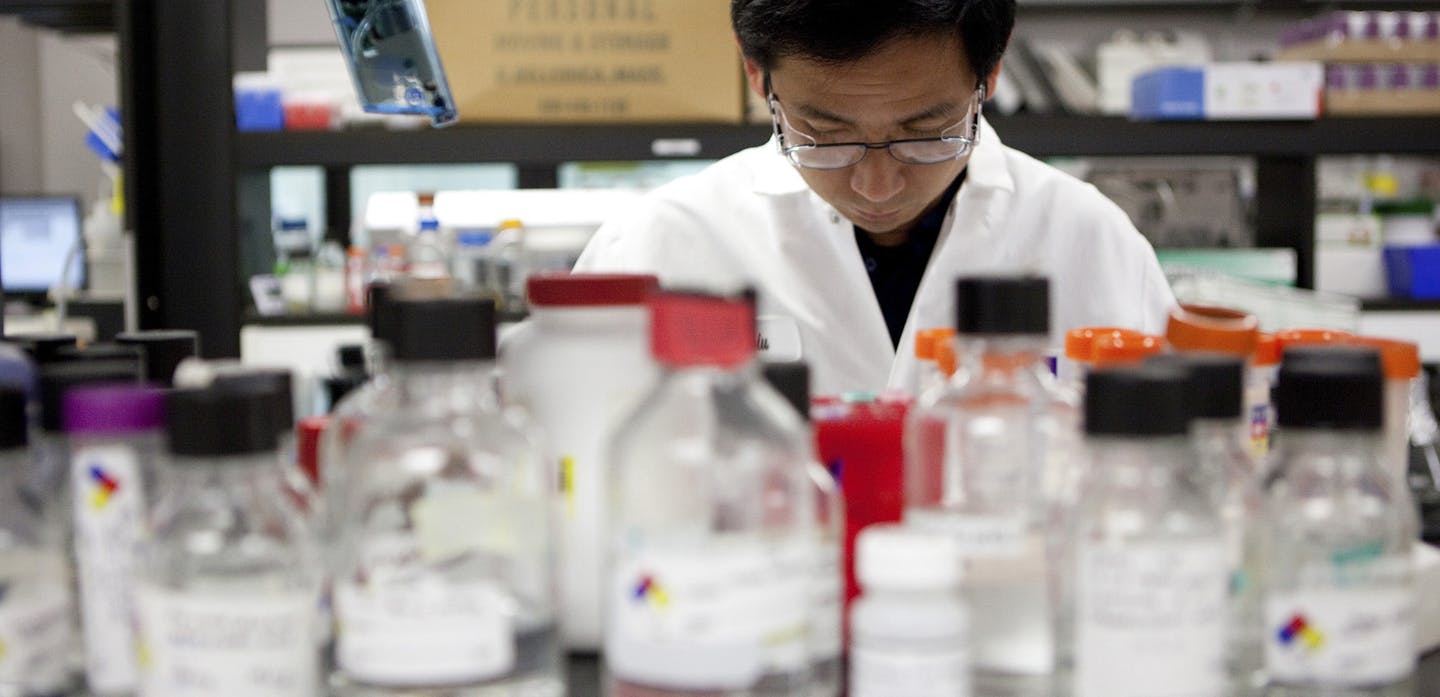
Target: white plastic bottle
pixel 577 367
pixel 909 631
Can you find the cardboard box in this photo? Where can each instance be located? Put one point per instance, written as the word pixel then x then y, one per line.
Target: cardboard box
pixel 590 61
pixel 1221 91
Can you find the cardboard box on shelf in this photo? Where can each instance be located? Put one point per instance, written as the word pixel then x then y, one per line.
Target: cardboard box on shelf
pixel 587 61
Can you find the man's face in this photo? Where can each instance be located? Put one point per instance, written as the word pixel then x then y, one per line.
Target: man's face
pixel 910 88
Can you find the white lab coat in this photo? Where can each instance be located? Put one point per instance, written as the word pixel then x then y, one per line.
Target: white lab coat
pixel 751 220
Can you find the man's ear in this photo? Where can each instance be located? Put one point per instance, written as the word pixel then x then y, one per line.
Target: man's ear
pixel 992 79
pixel 755 75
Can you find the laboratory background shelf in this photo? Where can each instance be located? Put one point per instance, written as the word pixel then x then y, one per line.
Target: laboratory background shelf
pixel 199 197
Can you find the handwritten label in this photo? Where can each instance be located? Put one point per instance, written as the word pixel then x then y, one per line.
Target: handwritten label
pixel 1150 620
pixel 718 619
pixel 423 633
pixel 197 645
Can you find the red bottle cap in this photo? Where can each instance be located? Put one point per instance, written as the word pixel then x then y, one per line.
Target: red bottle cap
pixel 693 329
pixel 589 290
pixel 307 445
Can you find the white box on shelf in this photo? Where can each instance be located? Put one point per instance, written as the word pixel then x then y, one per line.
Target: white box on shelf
pixel 1284 90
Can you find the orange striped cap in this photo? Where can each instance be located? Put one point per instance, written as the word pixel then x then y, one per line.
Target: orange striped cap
pixel 1399 359
pixel 927 342
pixel 1125 349
pixel 1267 350
pixel 1218 329
pixel 1080 343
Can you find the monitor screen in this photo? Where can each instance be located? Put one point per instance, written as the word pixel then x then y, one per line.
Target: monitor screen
pixel 36 234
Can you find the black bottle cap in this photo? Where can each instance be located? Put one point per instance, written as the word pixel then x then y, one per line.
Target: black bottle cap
pixel 792 380
pixel 1336 387
pixel 14 423
pixel 444 329
pixel 1217 382
pixel 42 347
pixel 1140 400
pixel 217 423
pixel 380 311
pixel 98 353
pixel 164 350
pixel 1002 305
pixel 58 378
pixel 339 387
pixel 272 384
pixel 352 358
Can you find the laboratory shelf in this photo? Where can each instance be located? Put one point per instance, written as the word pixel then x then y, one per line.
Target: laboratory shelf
pixel 1039 135
pixel 1399 305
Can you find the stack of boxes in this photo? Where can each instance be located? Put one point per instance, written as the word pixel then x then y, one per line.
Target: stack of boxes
pixel 1377 63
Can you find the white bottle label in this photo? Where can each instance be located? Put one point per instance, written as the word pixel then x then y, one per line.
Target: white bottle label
pixel 109 511
pixel 826 588
pixel 403 634
pixel 715 619
pixel 1150 620
pixel 878 672
pixel 193 645
pixel 35 637
pixel 1364 636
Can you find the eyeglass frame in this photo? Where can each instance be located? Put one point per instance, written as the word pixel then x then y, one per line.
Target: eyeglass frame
pixel 777 114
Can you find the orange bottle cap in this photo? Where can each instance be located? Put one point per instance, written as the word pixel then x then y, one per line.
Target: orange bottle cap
pixel 1125 349
pixel 927 341
pixel 1399 359
pixel 1080 343
pixel 946 358
pixel 1306 337
pixel 1207 328
pixel 1267 350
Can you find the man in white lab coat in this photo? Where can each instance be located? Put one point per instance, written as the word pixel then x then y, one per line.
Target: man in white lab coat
pixel 882 184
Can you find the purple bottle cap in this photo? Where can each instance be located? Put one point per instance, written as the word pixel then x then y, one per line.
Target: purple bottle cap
pixel 1368 77
pixel 1400 77
pixel 1432 27
pixel 1429 77
pixel 1337 77
pixel 114 409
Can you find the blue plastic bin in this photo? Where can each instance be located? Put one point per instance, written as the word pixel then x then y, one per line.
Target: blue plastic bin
pixel 1413 272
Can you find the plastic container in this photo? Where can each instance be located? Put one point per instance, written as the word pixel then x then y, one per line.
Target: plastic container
pixel 1080 355
pixel 36 610
pixel 578 366
pixel 981 457
pixel 1259 381
pixel 1116 349
pixel 910 632
pixel 1400 361
pixel 115 435
pixel 712 519
pixel 1413 272
pixel 927 351
pixel 1340 615
pixel 235 615
pixel 1151 574
pixel 258 103
pixel 1407 223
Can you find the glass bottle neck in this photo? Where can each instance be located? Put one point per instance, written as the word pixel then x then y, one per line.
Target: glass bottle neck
pixel 1002 357
pixel 229 471
pixel 1302 448
pixel 1150 463
pixel 445 383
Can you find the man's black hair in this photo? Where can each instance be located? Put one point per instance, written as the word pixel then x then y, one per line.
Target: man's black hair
pixel 840 31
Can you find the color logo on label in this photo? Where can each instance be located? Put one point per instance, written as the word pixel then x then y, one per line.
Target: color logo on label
pixel 1299 628
pixel 105 486
pixel 649 589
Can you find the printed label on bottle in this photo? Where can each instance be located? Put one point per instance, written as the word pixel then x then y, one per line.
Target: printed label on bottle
pixel 35 636
pixel 1364 636
pixel 1260 429
pixel 714 619
pixel 979 536
pixel 878 672
pixel 193 645
pixel 109 509
pixel 403 634
pixel 1150 620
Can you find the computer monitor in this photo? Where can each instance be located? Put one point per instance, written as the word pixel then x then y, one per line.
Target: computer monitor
pixel 37 233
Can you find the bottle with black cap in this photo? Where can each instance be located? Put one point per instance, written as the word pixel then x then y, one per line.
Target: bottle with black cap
pixel 227 584
pixel 359 403
pixel 164 351
pixel 1150 573
pixel 35 607
pixel 792 380
pixel 976 454
pixel 1228 470
pixel 711 516
pixel 1340 605
pixel 442 563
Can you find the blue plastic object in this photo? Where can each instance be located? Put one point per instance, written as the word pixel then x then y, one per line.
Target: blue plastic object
pixel 1413 272
pixel 391 52
pixel 259 109
pixel 1169 94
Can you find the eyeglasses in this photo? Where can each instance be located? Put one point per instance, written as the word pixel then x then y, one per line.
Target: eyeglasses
pixel 954 142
